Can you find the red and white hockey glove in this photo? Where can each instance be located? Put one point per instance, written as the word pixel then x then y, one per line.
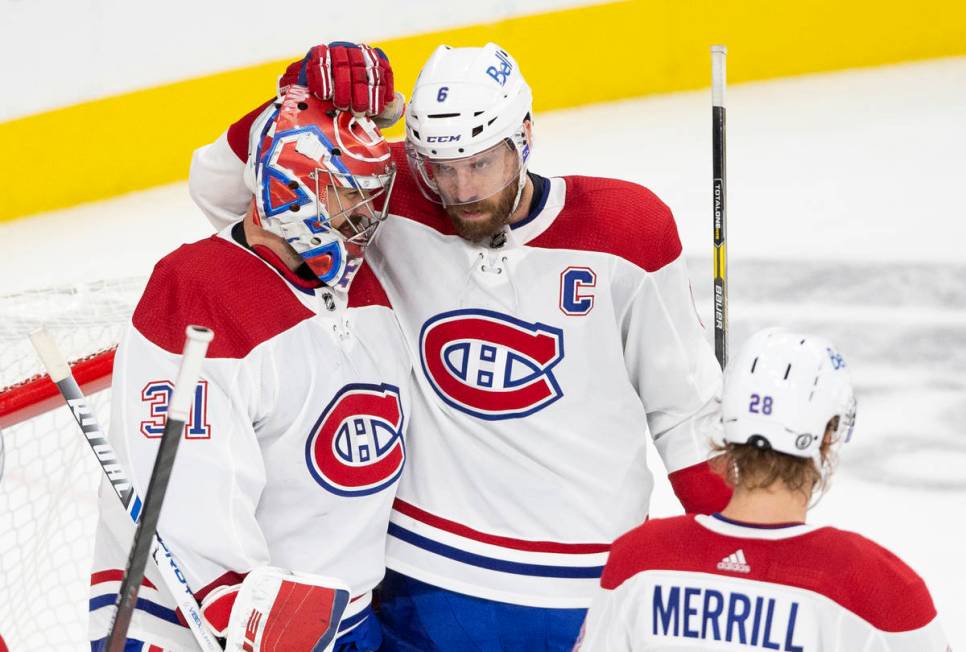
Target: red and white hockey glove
pixel 355 77
pixel 276 609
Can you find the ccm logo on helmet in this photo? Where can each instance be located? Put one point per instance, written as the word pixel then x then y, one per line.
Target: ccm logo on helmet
pixel 501 70
pixel 490 365
pixel 443 139
pixel 356 447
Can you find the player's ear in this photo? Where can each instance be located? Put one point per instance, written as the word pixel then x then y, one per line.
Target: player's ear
pixel 830 428
pixel 528 130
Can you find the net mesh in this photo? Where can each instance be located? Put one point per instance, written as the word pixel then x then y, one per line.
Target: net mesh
pixel 48 476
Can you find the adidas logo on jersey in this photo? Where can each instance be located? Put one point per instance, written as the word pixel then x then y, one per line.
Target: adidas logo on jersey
pixel 735 562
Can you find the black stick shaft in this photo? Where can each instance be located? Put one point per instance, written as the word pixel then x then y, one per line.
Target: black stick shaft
pixel 196 345
pixel 144 534
pixel 171 574
pixel 719 197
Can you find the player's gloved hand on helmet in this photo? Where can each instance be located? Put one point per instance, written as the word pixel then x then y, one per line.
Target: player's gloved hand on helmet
pixel 355 77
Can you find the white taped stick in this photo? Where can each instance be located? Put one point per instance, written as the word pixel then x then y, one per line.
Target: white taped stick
pixel 719 74
pixel 195 347
pixel 50 355
pixel 171 574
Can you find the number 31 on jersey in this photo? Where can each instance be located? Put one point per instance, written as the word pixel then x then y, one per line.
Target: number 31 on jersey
pixel 156 395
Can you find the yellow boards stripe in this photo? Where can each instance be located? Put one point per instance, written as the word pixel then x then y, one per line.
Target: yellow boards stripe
pixel 575 56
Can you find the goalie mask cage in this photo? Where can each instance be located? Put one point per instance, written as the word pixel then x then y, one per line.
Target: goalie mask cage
pixel 48 476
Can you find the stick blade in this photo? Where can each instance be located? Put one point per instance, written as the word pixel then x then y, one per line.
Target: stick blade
pixel 50 355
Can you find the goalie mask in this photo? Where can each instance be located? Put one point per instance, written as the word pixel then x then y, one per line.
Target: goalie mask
pixel 321 180
pixel 782 391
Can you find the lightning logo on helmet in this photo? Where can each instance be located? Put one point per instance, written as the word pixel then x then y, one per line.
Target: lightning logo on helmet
pixel 490 365
pixel 356 447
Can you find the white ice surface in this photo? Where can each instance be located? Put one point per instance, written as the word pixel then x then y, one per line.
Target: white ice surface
pixel 845 219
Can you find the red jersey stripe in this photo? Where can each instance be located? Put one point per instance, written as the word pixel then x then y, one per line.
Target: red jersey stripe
pixel 504 542
pixel 115 575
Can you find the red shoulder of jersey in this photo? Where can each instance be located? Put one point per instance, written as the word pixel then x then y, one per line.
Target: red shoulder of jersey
pixel 217 284
pixel 854 572
pixel 615 217
pixel 407 200
pixel 366 290
pixel 237 135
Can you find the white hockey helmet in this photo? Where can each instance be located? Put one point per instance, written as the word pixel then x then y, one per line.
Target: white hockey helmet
pixel 782 390
pixel 468 102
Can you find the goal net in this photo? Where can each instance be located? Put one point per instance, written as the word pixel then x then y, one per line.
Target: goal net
pixel 48 475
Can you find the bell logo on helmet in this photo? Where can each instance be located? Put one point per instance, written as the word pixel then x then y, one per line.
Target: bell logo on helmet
pixel 838 362
pixel 501 71
pixel 356 447
pixel 490 365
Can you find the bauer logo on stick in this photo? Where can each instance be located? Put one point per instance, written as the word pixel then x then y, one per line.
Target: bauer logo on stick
pixel 356 447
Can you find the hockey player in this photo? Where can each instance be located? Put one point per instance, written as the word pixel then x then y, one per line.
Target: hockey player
pixel 282 489
pixel 554 328
pixel 756 576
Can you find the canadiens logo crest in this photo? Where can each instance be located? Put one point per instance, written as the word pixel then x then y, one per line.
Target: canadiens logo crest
pixel 491 365
pixel 356 447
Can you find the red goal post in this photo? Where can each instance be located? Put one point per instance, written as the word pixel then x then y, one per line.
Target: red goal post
pixel 37 395
pixel 48 477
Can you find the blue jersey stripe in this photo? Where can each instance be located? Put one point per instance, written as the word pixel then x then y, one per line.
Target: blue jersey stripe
pixel 518 568
pixel 146 606
pixel 352 621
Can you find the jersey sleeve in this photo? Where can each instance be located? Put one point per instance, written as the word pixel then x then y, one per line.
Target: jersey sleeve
pixel 216 179
pixel 678 379
pixel 608 624
pixel 216 183
pixel 208 518
pixel 928 638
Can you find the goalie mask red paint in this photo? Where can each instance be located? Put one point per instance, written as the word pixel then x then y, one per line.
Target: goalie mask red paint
pixel 322 180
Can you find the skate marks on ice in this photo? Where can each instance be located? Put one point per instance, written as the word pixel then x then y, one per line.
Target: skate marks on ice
pixel 902 328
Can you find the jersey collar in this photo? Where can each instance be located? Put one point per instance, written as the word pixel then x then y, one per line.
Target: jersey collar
pixel 235 234
pixel 731 528
pixel 548 200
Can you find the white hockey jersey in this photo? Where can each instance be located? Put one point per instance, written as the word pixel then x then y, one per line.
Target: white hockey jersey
pixel 295 443
pixel 543 359
pixel 696 583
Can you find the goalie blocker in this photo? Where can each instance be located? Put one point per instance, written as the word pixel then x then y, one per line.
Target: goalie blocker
pixel 276 609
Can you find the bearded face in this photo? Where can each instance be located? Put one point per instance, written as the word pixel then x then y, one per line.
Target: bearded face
pixel 483 219
pixel 478 192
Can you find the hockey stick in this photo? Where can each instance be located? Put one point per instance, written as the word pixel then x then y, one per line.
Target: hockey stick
pixel 171 574
pixel 720 190
pixel 195 346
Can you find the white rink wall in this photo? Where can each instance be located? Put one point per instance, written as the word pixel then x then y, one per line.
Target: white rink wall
pixel 89 49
